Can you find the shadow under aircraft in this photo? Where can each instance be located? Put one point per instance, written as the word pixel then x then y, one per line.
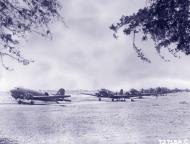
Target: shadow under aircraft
pixel 119 96
pixel 27 96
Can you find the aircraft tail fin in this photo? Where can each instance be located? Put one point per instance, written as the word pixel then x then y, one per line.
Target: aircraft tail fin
pixel 61 92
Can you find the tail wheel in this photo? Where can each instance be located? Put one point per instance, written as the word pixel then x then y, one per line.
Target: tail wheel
pixel 112 99
pixel 99 99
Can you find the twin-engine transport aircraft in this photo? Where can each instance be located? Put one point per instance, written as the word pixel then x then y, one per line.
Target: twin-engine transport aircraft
pixel 22 95
pixel 104 93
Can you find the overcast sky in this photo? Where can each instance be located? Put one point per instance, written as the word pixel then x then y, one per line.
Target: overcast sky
pixel 85 55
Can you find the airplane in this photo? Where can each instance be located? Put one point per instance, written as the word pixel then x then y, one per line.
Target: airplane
pixel 22 95
pixel 104 93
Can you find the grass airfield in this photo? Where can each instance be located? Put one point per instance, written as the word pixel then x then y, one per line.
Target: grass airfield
pixel 87 121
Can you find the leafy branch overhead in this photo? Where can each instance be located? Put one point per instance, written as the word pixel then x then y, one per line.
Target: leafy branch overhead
pixel 166 22
pixel 19 17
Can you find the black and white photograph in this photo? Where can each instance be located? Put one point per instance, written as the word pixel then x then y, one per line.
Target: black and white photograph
pixel 94 72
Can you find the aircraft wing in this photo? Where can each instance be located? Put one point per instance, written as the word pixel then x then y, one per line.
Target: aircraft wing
pixel 50 98
pixel 125 96
pixel 120 96
pixel 65 96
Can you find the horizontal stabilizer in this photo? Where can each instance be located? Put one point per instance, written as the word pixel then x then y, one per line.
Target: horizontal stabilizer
pixel 88 94
pixel 67 100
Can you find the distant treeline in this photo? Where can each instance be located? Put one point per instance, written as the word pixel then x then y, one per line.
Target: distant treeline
pixel 157 90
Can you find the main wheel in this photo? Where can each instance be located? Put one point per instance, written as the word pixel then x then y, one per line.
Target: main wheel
pixel 32 102
pixel 132 100
pixel 19 102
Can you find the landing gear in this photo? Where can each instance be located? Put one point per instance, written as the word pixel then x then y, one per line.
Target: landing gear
pixel 123 100
pixel 112 100
pixel 32 102
pixel 140 97
pixel 132 100
pixel 99 99
pixel 19 101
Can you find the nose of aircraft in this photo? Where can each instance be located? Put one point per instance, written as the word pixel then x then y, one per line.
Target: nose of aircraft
pixel 13 93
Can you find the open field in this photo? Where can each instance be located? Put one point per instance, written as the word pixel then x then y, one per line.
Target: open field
pixel 87 121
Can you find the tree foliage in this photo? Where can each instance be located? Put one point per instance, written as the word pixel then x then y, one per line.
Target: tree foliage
pixel 166 22
pixel 19 17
